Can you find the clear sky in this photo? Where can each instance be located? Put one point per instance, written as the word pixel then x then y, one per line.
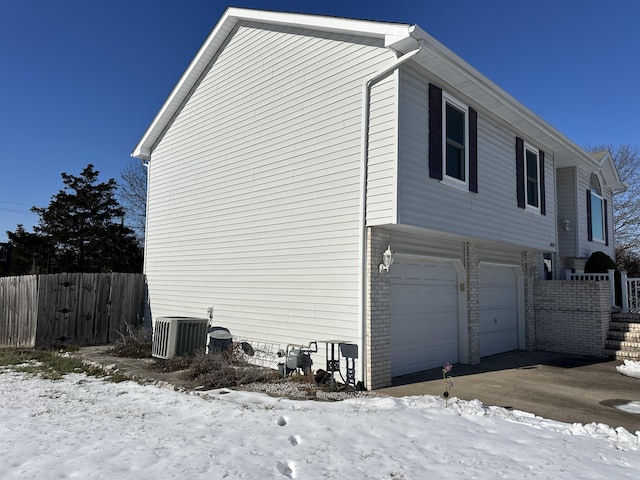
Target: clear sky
pixel 81 80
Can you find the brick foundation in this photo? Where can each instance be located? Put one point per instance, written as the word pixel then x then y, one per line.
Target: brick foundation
pixel 572 316
pixel 378 312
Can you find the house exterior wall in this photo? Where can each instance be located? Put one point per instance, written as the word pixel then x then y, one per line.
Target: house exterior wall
pixel 473 299
pixel 572 316
pixel 382 153
pixel 254 188
pixel 492 213
pixel 567 204
pixel 378 312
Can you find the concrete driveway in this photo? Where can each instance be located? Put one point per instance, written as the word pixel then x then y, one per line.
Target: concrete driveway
pixel 567 388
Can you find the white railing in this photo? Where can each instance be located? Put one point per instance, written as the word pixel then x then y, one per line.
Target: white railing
pixel 595 277
pixel 630 293
pixel 630 287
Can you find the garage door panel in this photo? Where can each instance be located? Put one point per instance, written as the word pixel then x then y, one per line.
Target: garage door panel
pixel 497 319
pixel 498 299
pixel 420 357
pixel 424 316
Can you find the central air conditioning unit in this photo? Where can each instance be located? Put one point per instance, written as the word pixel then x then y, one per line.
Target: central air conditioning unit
pixel 174 336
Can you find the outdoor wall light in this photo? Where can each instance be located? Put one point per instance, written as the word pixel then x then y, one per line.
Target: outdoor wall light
pixel 566 223
pixel 387 260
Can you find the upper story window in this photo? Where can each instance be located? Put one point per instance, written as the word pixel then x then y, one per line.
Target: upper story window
pixel 533 177
pixel 596 211
pixel 453 141
pixel 530 185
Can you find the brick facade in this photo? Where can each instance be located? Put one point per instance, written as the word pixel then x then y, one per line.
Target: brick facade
pixel 572 316
pixel 530 263
pixel 378 312
pixel 473 302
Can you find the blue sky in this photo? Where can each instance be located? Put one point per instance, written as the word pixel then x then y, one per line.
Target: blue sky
pixel 80 80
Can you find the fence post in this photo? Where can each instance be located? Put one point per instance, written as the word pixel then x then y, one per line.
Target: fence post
pixel 625 291
pixel 612 282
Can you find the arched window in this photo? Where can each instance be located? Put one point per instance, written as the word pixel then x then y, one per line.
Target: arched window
pixel 596 211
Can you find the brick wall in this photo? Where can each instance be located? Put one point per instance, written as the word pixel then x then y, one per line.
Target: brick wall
pixel 378 336
pixel 530 269
pixel 572 316
pixel 473 303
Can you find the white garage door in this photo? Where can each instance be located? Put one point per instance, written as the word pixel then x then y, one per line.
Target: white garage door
pixel 424 315
pixel 498 300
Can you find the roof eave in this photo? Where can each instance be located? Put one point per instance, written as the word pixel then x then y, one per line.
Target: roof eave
pixel 499 102
pixel 392 33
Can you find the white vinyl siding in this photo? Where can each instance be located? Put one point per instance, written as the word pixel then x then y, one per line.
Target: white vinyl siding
pixel 567 205
pixel 382 153
pixel 254 189
pixel 492 213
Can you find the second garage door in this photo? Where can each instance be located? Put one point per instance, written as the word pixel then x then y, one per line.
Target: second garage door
pixel 424 315
pixel 498 288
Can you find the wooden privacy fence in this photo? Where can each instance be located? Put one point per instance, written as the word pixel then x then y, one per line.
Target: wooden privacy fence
pixel 87 308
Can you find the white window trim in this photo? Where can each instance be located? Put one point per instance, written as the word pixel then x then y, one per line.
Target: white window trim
pixel 527 206
pixel 447 180
pixel 602 216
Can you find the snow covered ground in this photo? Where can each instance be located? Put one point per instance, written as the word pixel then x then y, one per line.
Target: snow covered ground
pixel 83 427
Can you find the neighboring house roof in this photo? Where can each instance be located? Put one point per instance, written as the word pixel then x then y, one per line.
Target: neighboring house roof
pixel 609 170
pixel 449 68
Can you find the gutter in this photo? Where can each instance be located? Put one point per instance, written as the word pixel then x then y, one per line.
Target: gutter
pixel 364 145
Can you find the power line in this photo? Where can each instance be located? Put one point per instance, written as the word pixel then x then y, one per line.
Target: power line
pixel 13 210
pixel 14 203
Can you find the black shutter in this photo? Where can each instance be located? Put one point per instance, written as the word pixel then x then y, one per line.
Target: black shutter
pixel 606 222
pixel 435 132
pixel 520 172
pixel 589 232
pixel 543 202
pixel 473 150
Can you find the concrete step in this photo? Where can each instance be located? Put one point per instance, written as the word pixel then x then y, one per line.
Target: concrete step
pixel 624 336
pixel 622 345
pixel 624 326
pixel 622 354
pixel 626 317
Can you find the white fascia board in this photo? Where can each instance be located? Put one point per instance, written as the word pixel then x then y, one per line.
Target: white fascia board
pixel 479 88
pixel 184 86
pixel 390 32
pixel 611 175
pixel 347 26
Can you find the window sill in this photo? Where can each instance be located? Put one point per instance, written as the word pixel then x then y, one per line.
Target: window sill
pixel 452 182
pixel 530 209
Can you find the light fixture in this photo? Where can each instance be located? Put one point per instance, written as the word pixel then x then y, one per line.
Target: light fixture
pixel 387 260
pixel 566 223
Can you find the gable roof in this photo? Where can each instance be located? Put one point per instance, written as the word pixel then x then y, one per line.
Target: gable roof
pixel 449 69
pixel 609 171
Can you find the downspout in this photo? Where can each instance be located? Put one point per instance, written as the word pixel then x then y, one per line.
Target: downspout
pixel 364 145
pixel 145 163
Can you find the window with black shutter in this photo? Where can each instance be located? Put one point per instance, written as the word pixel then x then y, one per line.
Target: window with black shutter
pixel 453 141
pixel 530 186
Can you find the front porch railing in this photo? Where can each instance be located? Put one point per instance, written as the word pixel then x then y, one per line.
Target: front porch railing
pixel 610 277
pixel 630 287
pixel 630 293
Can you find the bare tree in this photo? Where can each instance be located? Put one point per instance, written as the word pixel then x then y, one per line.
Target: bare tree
pixel 133 196
pixel 626 205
